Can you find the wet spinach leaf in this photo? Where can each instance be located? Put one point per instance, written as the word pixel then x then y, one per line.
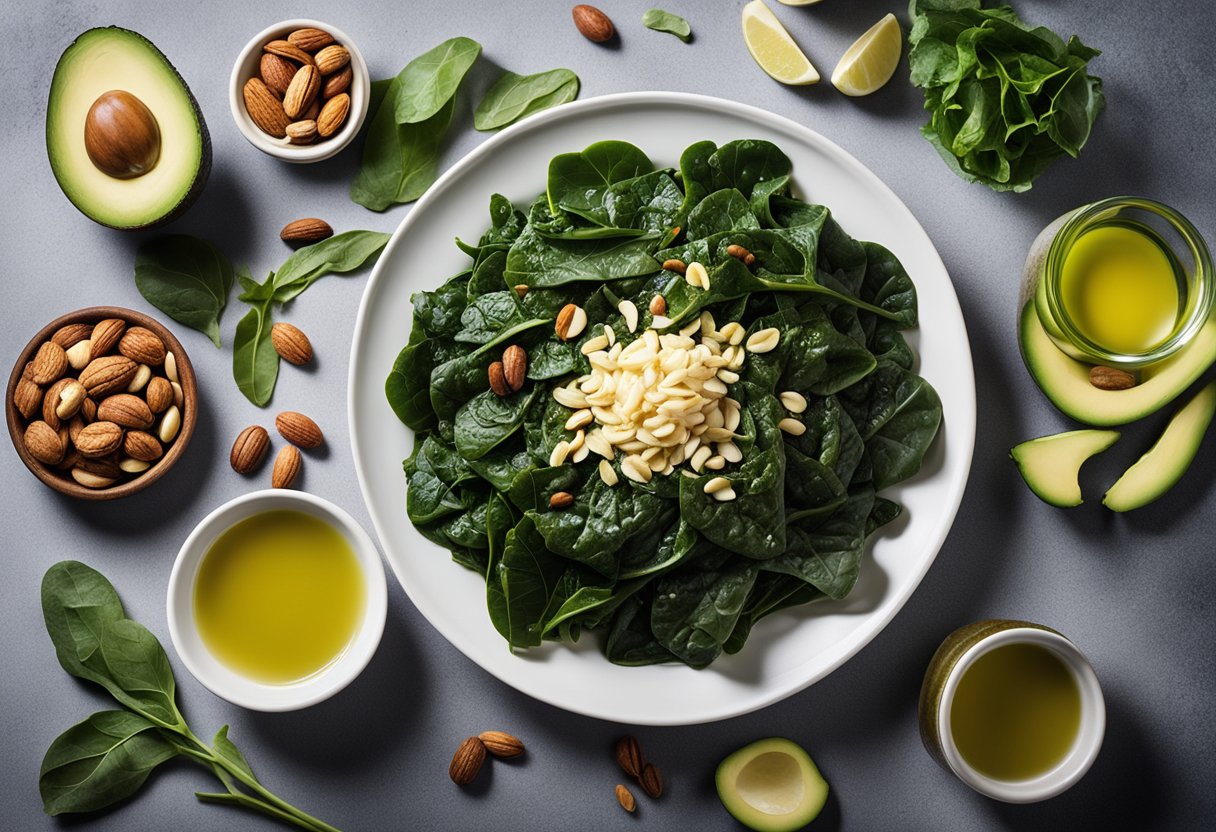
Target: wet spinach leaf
pixel 513 97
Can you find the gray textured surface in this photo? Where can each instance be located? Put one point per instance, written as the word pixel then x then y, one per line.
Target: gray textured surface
pixel 1134 592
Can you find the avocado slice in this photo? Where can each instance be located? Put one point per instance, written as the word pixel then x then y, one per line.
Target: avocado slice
pixel 148 153
pixel 771 785
pixel 1066 381
pixel 1050 464
pixel 1158 470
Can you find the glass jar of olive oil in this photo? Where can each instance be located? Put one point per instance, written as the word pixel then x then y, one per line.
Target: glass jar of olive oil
pixel 1125 281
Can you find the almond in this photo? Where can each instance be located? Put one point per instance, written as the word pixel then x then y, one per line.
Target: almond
pixel 501 744
pixel 467 761
pixel 75 426
pixel 652 780
pixel 108 374
pixel 298 429
pixel 50 402
pixel 72 334
pixel 333 115
pixel 332 58
pixel 1110 378
pixel 592 23
pixel 287 49
pixel 310 39
pixel 103 466
pixel 126 410
pixel 625 797
pixel 80 354
pixel 264 108
pixel 305 231
pixel 159 394
pixel 514 367
pixel 287 467
pixel 302 132
pixel 290 343
pixel 498 380
pixel 99 439
pixel 658 305
pixel 571 321
pixel 673 265
pixel 141 445
pixel 301 92
pixel 170 424
pixel 561 500
pixel 71 399
pixel 27 397
pixel 276 73
pixel 105 336
pixel 70 460
pixel 314 110
pixel 249 449
pixel 49 364
pixel 90 480
pixel 142 346
pixel 89 411
pixel 43 443
pixel 629 756
pixel 339 82
pixel 521 290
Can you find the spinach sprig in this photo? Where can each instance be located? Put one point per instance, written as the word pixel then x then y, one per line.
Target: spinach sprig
pixel 663 570
pixel 108 756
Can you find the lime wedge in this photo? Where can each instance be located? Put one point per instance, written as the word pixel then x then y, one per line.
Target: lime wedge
pixel 773 48
pixel 871 60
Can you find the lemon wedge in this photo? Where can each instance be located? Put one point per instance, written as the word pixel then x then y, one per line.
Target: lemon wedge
pixel 871 60
pixel 773 48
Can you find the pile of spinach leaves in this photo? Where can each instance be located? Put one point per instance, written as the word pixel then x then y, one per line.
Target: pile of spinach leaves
pixel 1007 99
pixel 666 572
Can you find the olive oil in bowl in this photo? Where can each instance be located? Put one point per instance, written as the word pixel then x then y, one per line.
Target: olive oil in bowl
pixel 1016 712
pixel 279 596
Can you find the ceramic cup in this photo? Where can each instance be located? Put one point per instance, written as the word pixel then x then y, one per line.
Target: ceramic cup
pixel 952 659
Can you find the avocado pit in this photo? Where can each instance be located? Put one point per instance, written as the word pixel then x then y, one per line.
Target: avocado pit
pixel 121 135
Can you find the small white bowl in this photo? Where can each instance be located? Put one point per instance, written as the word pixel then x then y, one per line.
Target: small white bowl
pixel 227 683
pixel 247 66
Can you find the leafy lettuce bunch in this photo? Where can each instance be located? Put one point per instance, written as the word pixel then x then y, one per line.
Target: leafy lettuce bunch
pixel 1007 99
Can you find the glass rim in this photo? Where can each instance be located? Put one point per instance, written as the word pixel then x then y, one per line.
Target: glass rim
pixel 1201 280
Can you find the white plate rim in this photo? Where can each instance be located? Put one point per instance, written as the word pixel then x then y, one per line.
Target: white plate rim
pixel 962 421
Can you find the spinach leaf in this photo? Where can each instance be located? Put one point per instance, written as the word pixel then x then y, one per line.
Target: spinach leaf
pixel 488 315
pixel 487 419
pixel 695 611
pixel 341 253
pixel 527 576
pixel 596 165
pixel 661 21
pixel 745 163
pixel 630 641
pixel 428 83
pixel 187 278
pixel 407 386
pixel 829 557
pixel 721 212
pixel 898 414
pixel 646 203
pixel 538 262
pixel 513 96
pixel 255 364
pixel 100 761
pixel 400 161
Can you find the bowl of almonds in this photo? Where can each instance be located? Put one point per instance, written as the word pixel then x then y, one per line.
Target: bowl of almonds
pixel 101 403
pixel 299 90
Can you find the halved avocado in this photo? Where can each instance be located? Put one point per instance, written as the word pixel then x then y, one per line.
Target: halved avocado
pixel 1158 470
pixel 103 177
pixel 1051 464
pixel 1066 381
pixel 771 785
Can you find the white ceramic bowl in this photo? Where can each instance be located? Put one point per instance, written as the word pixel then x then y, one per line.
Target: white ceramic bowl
pixel 246 67
pixel 227 683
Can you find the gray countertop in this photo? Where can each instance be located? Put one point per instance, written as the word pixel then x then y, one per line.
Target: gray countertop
pixel 1135 592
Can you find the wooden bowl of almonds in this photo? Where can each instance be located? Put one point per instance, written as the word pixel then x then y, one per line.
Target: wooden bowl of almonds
pixel 300 90
pixel 101 403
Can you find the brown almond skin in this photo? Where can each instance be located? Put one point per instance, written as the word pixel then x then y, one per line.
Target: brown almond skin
pixel 276 73
pixel 305 231
pixel 658 305
pixel 629 756
pixel 287 467
pixel 143 346
pixel 651 781
pixel 501 744
pixel 105 336
pixel 287 49
pixel 298 429
pixel 159 394
pixel 125 410
pixel 27 397
pixel 592 23
pixel 338 82
pixel 561 326
pixel 625 797
pixel 561 500
pixel 43 443
pixel 310 39
pixel 50 402
pixel 141 445
pixel 291 344
pixel 302 91
pixel 515 367
pixel 72 334
pixel 99 439
pixel 467 761
pixel 302 132
pixel 1111 378
pixel 498 380
pixel 49 364
pixel 673 265
pixel 333 115
pixel 249 449
pixel 332 58
pixel 109 374
pixel 265 109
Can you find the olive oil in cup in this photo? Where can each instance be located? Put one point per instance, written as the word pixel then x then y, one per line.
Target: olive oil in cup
pixel 277 600
pixel 1013 709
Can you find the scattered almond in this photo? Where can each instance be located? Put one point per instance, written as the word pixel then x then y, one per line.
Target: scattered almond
pixel 305 231
pixel 625 797
pixel 674 265
pixel 592 23
pixel 1111 378
pixel 521 290
pixel 290 343
pixel 571 321
pixel 467 761
pixel 561 500
pixel 287 467
pixel 249 449
pixel 501 744
pixel 498 380
pixel 298 429
pixel 514 367
pixel 629 756
pixel 658 306
pixel 651 780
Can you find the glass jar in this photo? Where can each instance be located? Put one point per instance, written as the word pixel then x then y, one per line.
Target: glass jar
pixel 1171 235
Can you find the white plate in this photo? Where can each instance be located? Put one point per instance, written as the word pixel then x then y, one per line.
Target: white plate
pixel 787 651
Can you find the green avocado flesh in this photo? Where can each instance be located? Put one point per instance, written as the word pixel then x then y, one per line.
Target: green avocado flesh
pixel 102 60
pixel 1066 381
pixel 1051 464
pixel 1158 470
pixel 771 785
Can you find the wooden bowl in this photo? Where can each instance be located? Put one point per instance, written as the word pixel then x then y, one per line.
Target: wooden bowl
pixel 62 481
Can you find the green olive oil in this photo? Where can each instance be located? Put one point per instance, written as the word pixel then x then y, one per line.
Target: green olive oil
pixel 1016 712
pixel 279 596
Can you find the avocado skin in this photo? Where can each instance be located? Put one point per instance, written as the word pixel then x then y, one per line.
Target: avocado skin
pixel 204 167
